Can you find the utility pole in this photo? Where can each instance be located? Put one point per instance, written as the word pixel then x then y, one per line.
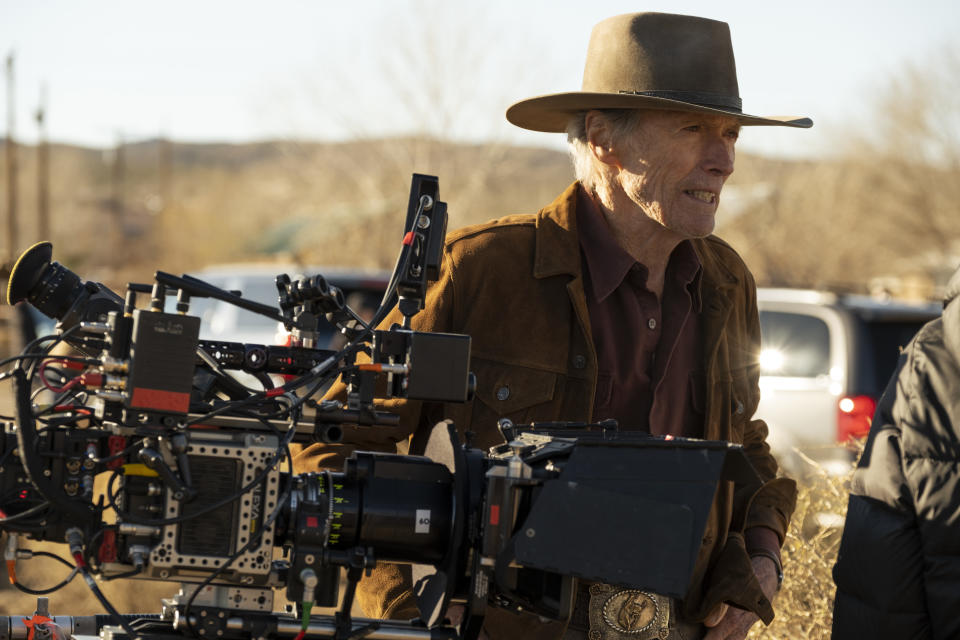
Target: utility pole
pixel 118 202
pixel 11 147
pixel 43 171
pixel 117 178
pixel 165 172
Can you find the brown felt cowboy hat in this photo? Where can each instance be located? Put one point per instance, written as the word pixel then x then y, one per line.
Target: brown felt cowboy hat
pixel 651 61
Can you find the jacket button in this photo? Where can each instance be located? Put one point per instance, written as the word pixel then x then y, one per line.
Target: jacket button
pixel 739 408
pixel 579 362
pixel 503 393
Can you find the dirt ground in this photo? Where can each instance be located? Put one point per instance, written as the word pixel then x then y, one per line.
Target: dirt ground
pixel 127 596
pixel 75 599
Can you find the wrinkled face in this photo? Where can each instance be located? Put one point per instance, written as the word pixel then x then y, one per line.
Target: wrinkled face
pixel 674 165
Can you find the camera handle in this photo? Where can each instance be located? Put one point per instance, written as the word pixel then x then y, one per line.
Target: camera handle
pixel 426 230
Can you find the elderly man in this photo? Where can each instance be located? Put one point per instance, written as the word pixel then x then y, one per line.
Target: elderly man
pixel 614 301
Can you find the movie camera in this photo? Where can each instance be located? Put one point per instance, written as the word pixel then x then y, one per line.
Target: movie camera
pixel 198 477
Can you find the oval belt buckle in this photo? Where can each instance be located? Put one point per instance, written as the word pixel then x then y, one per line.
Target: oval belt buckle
pixel 627 614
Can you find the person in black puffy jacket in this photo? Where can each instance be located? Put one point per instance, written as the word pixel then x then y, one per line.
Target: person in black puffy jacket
pixel 898 571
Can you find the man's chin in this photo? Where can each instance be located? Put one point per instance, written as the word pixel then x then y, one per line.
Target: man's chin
pixel 700 230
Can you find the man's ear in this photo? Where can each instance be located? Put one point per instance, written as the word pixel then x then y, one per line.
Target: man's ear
pixel 600 138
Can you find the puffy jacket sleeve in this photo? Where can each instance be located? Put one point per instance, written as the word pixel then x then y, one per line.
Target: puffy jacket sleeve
pixel 879 569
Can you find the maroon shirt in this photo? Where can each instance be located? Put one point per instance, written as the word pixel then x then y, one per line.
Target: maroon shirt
pixel 648 352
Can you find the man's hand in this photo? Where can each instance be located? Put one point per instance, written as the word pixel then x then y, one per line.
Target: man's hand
pixel 455 616
pixel 732 623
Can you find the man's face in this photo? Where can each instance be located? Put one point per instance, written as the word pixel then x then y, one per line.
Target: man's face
pixel 674 165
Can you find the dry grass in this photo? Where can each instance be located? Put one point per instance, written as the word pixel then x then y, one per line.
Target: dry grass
pixel 804 606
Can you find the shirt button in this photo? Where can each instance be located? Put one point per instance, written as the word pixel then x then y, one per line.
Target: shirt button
pixel 503 393
pixel 652 323
pixel 579 362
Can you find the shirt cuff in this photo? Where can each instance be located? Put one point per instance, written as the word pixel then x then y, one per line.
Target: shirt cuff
pixel 762 538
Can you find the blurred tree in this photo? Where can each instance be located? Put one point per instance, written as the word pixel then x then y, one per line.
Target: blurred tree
pixel 912 157
pixel 885 205
pixel 441 70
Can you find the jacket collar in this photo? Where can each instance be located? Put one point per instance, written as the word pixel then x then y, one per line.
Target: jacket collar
pixel 718 281
pixel 558 248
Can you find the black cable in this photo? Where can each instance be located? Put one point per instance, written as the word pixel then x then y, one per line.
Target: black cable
pixel 119 619
pixel 349 349
pixel 22 356
pixel 56 339
pixel 120 454
pixel 26 354
pixel 23 514
pixel 60 585
pixel 126 574
pixel 260 396
pixel 63 399
pixel 91 546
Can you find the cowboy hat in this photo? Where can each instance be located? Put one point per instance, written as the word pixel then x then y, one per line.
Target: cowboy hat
pixel 651 61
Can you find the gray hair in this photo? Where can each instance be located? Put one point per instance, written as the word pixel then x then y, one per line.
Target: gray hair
pixel 585 166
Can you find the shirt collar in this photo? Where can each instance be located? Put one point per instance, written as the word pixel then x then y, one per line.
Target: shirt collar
pixel 608 263
pixel 687 271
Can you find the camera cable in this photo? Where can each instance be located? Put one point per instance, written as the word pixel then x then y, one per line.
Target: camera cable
pixel 75 540
pixel 23 554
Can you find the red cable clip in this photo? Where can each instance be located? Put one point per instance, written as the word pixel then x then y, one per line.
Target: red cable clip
pixel 31 624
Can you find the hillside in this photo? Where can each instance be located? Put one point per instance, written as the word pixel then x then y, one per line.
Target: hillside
pixel 119 214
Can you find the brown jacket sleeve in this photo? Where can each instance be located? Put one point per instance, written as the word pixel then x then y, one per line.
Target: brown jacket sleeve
pixel 773 505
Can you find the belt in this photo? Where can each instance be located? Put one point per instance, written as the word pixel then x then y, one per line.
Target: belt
pixel 604 612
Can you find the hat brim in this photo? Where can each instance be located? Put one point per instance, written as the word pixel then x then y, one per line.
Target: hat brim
pixel 551 113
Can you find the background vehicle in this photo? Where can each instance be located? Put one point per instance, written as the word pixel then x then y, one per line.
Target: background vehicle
pixel 825 361
pixel 222 321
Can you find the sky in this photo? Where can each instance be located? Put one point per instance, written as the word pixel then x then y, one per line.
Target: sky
pixel 112 70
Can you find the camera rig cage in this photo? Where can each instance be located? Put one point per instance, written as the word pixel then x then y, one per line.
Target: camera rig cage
pixel 199 474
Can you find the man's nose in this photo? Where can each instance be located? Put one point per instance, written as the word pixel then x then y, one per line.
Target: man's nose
pixel 719 157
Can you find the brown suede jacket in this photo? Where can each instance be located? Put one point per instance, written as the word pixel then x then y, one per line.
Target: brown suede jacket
pixel 515 286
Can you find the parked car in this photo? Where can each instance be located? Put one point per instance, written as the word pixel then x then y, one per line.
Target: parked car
pixel 257 282
pixel 824 363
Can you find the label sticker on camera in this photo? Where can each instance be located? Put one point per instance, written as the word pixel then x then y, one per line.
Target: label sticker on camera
pixel 423 521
